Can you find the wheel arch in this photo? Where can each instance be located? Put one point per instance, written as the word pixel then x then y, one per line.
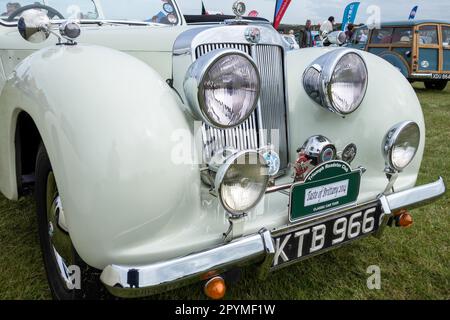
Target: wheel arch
pixel 397 61
pixel 27 139
pixel 107 121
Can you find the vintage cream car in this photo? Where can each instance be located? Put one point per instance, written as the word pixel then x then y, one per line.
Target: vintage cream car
pixel 163 152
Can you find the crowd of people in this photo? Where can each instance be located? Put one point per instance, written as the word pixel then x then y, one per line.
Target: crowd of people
pixel 310 34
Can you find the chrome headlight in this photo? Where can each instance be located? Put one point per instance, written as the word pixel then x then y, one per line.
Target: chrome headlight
pixel 337 81
pixel 337 37
pixel 401 145
pixel 241 181
pixel 222 88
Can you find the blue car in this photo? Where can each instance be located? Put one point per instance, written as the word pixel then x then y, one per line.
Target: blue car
pixel 420 50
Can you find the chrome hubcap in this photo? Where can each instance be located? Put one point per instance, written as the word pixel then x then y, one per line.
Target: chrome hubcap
pixel 59 238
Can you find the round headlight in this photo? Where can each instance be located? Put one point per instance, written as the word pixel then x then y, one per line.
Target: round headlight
pixel 337 81
pixel 241 181
pixel 401 145
pixel 348 84
pixel 222 88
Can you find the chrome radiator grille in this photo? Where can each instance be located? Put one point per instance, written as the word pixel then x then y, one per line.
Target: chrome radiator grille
pixel 268 125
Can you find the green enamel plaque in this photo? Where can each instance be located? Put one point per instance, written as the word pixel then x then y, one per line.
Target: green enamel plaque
pixel 329 186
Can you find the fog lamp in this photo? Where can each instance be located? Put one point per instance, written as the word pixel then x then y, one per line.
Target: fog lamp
pixel 401 145
pixel 241 181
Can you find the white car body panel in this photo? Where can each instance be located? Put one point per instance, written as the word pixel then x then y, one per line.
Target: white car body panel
pixel 153 45
pixel 110 124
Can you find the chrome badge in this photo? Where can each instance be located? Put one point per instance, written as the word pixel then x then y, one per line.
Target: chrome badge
pixel 253 35
pixel 239 9
pixel 349 153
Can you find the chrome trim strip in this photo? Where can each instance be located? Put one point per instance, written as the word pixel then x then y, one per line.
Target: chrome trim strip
pixel 2 72
pixel 189 40
pixel 138 281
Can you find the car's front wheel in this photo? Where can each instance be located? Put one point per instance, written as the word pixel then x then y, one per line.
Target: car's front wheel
pixel 68 276
pixel 436 84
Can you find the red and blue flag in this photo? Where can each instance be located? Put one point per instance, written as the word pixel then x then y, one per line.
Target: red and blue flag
pixel 280 9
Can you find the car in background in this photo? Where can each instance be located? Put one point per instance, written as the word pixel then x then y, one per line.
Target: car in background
pixel 292 42
pixel 359 38
pixel 420 50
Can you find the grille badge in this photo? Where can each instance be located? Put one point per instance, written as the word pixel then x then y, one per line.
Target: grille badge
pixel 253 35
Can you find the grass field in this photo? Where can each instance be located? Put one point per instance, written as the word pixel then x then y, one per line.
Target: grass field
pixel 415 262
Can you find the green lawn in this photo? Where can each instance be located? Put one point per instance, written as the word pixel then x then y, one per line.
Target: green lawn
pixel 415 262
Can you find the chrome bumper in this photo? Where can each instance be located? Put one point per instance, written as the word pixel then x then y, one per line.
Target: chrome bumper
pixel 138 281
pixel 428 76
pixel 422 75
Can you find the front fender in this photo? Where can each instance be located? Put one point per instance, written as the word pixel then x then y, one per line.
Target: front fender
pixel 108 122
pixel 389 100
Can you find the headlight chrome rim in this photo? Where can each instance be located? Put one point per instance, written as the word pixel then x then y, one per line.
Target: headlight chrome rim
pixel 318 77
pixel 223 170
pixel 194 85
pixel 391 140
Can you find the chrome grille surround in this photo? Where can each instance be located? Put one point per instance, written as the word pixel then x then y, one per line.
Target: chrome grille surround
pixel 268 125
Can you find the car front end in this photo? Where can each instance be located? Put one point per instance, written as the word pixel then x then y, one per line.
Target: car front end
pixel 294 112
pixel 170 154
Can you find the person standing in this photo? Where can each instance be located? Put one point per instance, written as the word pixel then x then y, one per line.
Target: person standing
pixel 350 31
pixel 307 38
pixel 327 27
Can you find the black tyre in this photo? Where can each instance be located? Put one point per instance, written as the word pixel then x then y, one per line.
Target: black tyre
pixel 68 276
pixel 436 85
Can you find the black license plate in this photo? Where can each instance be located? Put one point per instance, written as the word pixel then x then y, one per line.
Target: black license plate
pixel 315 238
pixel 441 76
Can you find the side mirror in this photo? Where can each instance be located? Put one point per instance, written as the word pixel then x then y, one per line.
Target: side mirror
pixel 34 26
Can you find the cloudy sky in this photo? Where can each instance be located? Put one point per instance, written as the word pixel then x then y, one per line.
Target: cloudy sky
pixel 320 10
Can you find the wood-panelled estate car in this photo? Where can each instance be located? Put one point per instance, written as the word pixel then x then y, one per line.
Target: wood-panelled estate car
pixel 420 49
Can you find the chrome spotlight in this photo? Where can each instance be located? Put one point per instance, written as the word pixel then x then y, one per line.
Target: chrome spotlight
pixel 401 145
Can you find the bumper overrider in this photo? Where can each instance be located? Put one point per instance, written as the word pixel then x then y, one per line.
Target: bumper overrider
pixel 137 281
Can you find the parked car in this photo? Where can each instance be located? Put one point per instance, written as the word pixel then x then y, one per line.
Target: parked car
pixel 162 153
pixel 420 49
pixel 291 42
pixel 359 38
